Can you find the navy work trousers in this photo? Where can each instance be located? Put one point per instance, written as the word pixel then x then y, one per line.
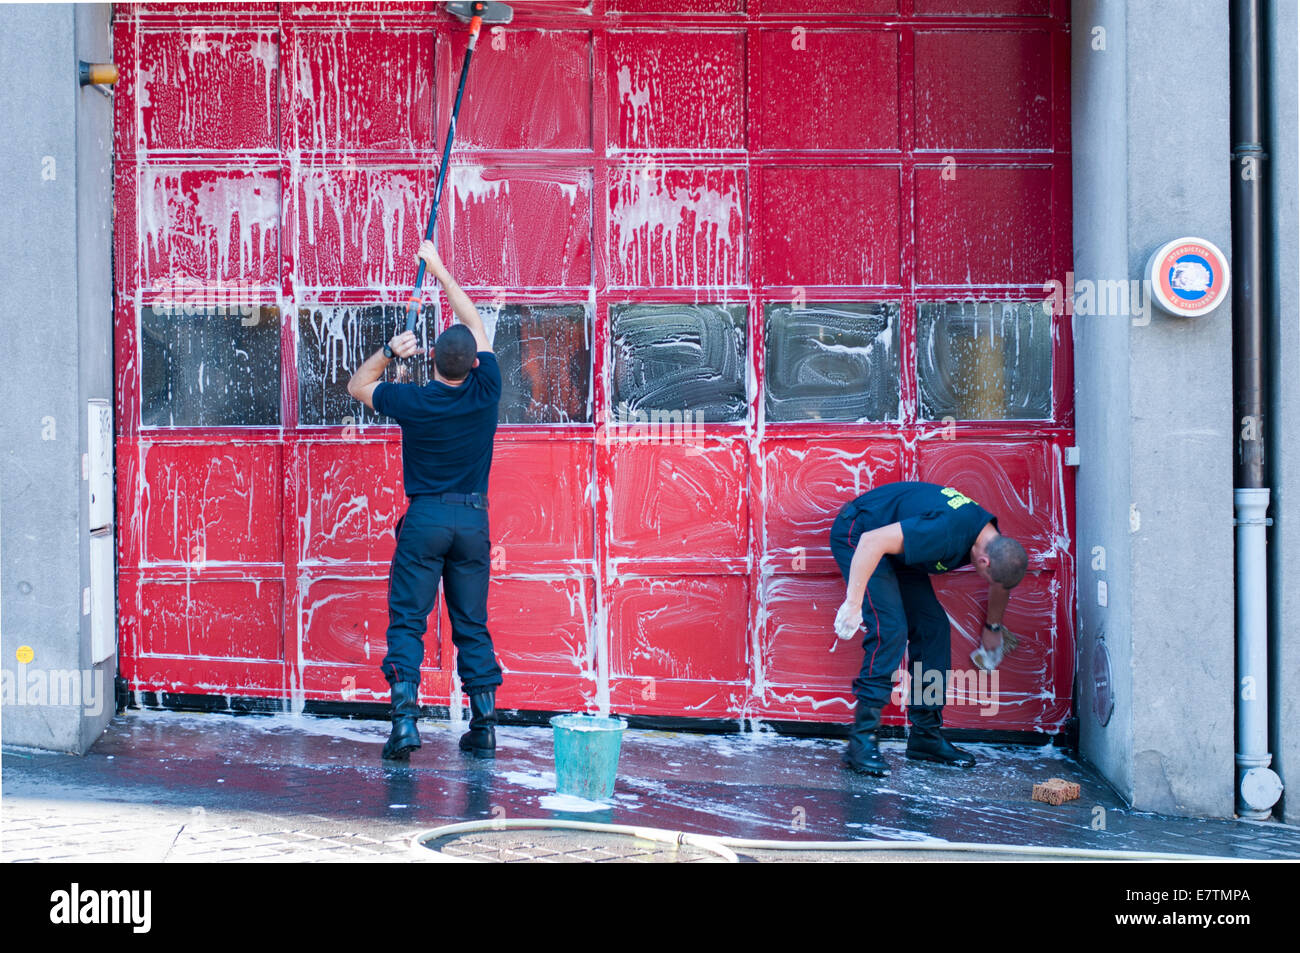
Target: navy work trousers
pixel 900 611
pixel 448 542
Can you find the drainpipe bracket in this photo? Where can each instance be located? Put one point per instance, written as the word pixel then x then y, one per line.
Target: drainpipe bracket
pixel 1246 762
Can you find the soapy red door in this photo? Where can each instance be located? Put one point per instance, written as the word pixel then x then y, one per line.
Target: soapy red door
pixel 743 262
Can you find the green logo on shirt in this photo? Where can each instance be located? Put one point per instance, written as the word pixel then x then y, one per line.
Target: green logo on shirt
pixel 955 497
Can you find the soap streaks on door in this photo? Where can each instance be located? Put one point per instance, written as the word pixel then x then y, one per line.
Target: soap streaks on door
pixel 334 341
pixel 676 227
pixel 678 357
pixel 832 362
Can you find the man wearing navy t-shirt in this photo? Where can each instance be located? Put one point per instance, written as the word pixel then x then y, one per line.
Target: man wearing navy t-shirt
pixel 448 426
pixel 888 542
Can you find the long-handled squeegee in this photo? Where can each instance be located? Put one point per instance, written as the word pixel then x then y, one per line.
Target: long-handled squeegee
pixel 475 14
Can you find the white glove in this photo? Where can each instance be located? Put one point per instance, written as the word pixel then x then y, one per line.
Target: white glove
pixel 848 620
pixel 987 659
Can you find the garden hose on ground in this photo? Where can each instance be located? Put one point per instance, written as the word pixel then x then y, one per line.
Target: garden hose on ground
pixel 725 847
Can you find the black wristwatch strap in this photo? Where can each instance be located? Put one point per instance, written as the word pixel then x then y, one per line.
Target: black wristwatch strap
pixel 388 352
pixel 993 626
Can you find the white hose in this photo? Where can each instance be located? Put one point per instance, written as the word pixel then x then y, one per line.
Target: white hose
pixel 725 847
pixel 960 846
pixel 702 841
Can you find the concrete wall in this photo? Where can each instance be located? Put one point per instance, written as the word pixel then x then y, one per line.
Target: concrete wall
pixel 1282 231
pixel 1154 403
pixel 1099 131
pixel 57 318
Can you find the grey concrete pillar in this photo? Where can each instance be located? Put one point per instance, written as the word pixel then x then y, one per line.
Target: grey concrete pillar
pixel 57 317
pixel 1153 405
pixel 1282 315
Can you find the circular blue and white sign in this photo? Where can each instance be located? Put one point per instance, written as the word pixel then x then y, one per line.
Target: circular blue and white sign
pixel 1189 277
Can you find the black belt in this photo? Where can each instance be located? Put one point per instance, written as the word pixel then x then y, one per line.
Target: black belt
pixel 478 500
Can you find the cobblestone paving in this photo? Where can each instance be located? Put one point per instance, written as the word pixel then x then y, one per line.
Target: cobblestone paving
pixel 170 786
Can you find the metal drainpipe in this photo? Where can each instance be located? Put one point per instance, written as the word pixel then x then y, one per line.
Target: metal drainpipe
pixel 1258 786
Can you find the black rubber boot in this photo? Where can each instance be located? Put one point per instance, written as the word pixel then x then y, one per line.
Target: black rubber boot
pixel 405 736
pixel 863 754
pixel 925 742
pixel 481 739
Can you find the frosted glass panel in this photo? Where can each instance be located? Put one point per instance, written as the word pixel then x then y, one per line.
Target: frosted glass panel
pixel 545 357
pixel 988 360
pixel 680 357
pixel 210 367
pixel 333 341
pixel 832 362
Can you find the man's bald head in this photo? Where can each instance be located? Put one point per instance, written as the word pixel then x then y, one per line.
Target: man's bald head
pixel 1008 561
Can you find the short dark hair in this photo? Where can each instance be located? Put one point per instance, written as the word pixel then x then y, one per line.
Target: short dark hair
pixel 1007 561
pixel 454 352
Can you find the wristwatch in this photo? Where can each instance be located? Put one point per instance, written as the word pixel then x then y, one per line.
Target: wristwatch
pixel 388 351
pixel 993 626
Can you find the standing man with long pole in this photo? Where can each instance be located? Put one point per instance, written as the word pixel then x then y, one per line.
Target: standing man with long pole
pixel 448 426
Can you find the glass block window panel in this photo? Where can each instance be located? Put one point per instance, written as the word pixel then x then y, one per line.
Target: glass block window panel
pixel 988 360
pixel 679 357
pixel 210 366
pixel 333 341
pixel 832 361
pixel 545 357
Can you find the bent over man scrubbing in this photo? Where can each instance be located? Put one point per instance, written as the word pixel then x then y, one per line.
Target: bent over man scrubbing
pixel 448 426
pixel 887 543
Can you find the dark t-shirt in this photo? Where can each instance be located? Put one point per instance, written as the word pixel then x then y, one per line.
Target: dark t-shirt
pixel 939 523
pixel 447 431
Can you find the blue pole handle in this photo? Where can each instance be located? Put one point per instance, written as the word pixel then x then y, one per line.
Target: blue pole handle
pixel 413 305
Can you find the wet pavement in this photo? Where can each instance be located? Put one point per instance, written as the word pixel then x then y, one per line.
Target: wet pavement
pixel 176 786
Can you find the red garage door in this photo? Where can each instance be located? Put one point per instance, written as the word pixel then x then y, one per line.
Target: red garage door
pixel 742 265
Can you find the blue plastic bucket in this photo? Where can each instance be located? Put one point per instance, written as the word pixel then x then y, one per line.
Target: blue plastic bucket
pixel 586 754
